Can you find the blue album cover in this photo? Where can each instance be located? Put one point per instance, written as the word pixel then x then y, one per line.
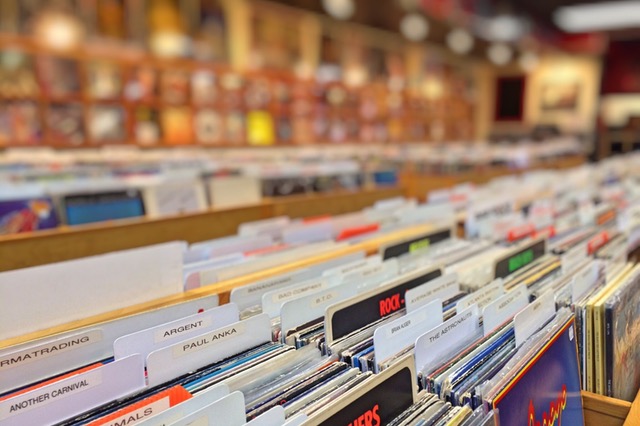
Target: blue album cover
pixel 547 390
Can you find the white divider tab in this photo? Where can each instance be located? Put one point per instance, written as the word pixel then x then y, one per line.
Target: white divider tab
pixel 351 267
pixel 183 409
pixel 66 291
pixel 297 420
pixel 504 308
pixel 385 270
pixel 192 276
pixel 442 288
pixel 308 232
pixel 295 313
pixel 573 257
pixel 227 411
pixel 55 402
pixel 389 203
pixel 272 227
pixel 430 346
pixel 483 296
pixel 533 317
pixel 148 340
pixel 170 362
pixel 272 300
pixel 251 295
pixel 273 417
pixel 233 244
pixel 81 347
pixel 399 334
pixel 487 210
pixel 585 279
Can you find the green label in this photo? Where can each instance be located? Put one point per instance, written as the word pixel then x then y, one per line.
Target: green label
pixel 419 245
pixel 520 260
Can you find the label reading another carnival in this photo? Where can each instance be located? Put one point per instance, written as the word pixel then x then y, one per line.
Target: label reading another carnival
pixel 37 353
pixel 48 394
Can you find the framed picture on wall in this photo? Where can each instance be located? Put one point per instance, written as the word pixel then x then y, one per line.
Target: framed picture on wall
pixel 559 96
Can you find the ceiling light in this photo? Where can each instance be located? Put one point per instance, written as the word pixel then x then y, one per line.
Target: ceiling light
pixel 460 41
pixel 339 9
pixel 598 16
pixel 414 27
pixel 499 53
pixel 529 61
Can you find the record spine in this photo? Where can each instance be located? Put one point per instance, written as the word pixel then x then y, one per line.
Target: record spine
pixel 608 354
pixel 598 349
pixel 589 349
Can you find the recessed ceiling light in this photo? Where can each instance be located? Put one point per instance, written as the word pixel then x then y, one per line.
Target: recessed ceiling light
pixel 609 15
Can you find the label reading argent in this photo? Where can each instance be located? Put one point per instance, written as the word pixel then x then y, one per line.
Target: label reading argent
pixel 45 350
pixel 177 330
pixel 47 394
pixel 141 413
pixel 201 342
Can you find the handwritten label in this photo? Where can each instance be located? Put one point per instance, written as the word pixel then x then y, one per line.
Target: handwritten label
pixel 46 350
pixel 483 296
pixel 201 342
pixel 39 397
pixel 504 308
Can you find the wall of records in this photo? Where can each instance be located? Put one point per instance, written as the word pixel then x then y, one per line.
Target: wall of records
pixel 380 317
pixel 245 74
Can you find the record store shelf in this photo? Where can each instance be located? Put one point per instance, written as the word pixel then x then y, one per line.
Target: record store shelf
pixel 598 410
pixel 65 243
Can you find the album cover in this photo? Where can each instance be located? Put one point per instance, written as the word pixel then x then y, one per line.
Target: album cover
pixel 548 387
pixel 88 208
pixel 59 76
pixel 147 126
pixel 104 80
pixel 27 215
pixel 175 87
pixel 622 334
pixel 107 124
pixel 208 127
pixel 65 124
pixel 204 88
pixel 142 85
pixel 24 123
pixel 17 76
pixel 176 126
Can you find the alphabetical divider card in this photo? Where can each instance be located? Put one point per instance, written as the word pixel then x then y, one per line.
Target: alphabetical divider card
pixel 171 414
pixel 415 244
pixel 308 232
pixel 441 288
pixel 300 311
pixel 504 308
pixel 227 411
pixel 483 296
pixel 520 257
pixel 376 401
pixel 227 245
pixel 573 257
pixel 533 317
pixel 398 335
pixel 170 362
pixel 587 278
pixel 192 270
pixel 359 311
pixel 431 346
pixel 250 295
pixel 67 291
pixel 68 397
pixel 272 417
pixel 145 341
pixel 34 361
pixel 486 210
pixel 272 300
pixel 372 275
pixel 272 227
pixel 341 270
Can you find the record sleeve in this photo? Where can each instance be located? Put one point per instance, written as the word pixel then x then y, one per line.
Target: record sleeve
pixel 547 389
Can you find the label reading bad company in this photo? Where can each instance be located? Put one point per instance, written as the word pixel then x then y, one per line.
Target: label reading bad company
pixel 47 394
pixel 201 342
pixel 45 350
pixel 177 330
